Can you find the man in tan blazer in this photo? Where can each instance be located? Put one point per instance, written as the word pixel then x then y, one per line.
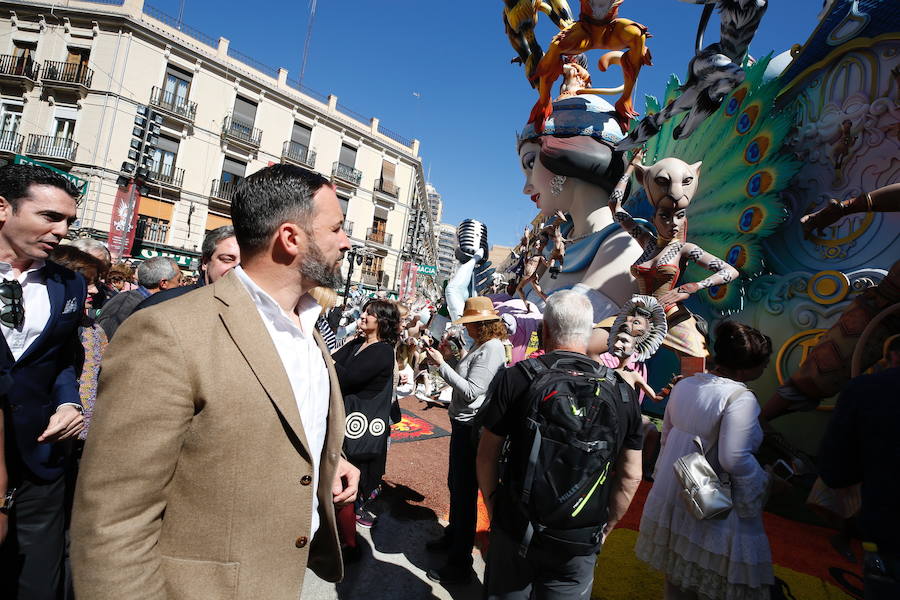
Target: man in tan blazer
pixel 213 462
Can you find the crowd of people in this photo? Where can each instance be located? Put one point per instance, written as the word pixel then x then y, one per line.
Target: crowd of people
pixel 111 494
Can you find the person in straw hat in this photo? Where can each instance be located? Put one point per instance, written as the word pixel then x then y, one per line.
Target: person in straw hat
pixel 470 381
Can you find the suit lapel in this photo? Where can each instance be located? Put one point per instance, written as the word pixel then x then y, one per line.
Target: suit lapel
pixel 241 318
pixel 57 292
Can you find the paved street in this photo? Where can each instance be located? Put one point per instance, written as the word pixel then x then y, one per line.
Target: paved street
pixel 413 507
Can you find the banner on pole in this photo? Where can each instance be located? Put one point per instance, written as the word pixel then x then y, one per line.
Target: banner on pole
pixel 123 223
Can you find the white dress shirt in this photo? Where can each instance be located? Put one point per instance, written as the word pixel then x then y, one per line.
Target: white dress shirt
pixel 305 367
pixel 35 299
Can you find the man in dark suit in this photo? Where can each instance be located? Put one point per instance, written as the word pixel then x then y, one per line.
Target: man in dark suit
pixel 42 306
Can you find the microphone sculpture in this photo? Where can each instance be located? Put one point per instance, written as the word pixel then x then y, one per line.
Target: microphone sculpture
pixel 474 273
pixel 471 235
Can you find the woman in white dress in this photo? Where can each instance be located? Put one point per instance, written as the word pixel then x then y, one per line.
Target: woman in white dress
pixel 720 559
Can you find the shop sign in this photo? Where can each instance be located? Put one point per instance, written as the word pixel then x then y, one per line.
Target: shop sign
pixel 427 270
pixel 78 182
pixel 185 262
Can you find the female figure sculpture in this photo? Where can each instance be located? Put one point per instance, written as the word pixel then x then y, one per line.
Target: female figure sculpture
pixel 572 167
pixel 670 185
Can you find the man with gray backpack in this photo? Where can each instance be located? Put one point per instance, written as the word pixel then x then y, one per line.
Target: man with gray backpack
pixel 558 462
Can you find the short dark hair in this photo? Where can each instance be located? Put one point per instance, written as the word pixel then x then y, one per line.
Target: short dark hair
pixel 269 198
pixel 388 317
pixel 212 239
pixel 16 179
pixel 740 346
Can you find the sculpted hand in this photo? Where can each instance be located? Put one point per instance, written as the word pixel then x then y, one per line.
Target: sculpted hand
pixel 66 423
pixel 821 219
pixel 682 292
pixel 346 483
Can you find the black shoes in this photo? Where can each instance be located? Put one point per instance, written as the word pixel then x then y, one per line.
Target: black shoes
pixel 450 575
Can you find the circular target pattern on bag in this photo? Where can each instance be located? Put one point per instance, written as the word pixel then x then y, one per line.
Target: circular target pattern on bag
pixel 377 427
pixel 356 425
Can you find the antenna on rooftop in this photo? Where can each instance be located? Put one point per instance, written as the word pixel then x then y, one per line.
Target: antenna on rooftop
pixel 309 30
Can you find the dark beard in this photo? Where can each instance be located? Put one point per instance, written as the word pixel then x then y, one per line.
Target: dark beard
pixel 314 267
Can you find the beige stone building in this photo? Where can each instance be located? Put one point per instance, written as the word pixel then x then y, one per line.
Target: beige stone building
pixel 74 76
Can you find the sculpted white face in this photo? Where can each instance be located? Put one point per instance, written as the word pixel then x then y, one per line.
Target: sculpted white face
pixel 537 182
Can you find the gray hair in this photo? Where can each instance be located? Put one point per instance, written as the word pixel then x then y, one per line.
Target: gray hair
pixel 568 318
pixel 153 270
pixel 212 239
pixel 95 248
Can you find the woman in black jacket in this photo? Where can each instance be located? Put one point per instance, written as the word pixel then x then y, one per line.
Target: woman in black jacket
pixel 365 370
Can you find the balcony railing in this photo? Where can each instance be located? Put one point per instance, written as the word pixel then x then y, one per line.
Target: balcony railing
pixel 222 190
pixel 152 231
pixel 298 153
pixel 348 227
pixel 47 146
pixel 376 279
pixel 242 132
pixel 387 187
pixel 19 66
pixel 65 72
pixel 11 142
pixel 347 173
pixel 173 104
pixel 167 175
pixel 379 236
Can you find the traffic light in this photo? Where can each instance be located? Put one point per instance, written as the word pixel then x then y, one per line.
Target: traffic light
pixel 144 140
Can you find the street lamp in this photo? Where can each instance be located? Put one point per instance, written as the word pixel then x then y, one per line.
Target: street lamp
pixel 356 255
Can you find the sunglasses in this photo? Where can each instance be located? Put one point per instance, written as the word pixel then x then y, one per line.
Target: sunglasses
pixel 12 309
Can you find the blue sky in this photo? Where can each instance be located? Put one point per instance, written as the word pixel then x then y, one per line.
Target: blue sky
pixel 375 55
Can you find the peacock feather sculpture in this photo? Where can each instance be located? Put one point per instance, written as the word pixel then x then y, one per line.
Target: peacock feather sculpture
pixel 737 205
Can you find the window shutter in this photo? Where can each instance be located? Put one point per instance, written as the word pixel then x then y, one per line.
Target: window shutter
pixel 244 110
pixel 234 167
pixel 348 156
pixel 301 135
pixel 387 171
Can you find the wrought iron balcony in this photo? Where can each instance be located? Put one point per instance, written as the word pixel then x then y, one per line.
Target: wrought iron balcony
pixel 387 187
pixel 11 142
pixel 151 231
pixel 298 154
pixel 241 132
pixel 376 279
pixel 348 227
pixel 346 173
pixel 169 176
pixel 173 104
pixel 67 74
pixel 379 236
pixel 50 147
pixel 223 190
pixel 18 67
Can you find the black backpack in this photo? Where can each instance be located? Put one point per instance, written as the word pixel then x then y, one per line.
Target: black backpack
pixel 558 480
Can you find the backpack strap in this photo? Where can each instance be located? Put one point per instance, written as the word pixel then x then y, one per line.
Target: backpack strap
pixel 532 367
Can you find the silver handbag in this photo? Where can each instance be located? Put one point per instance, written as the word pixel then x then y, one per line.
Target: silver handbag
pixel 706 496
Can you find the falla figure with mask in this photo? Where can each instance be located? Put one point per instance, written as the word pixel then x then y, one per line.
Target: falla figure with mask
pixel 670 185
